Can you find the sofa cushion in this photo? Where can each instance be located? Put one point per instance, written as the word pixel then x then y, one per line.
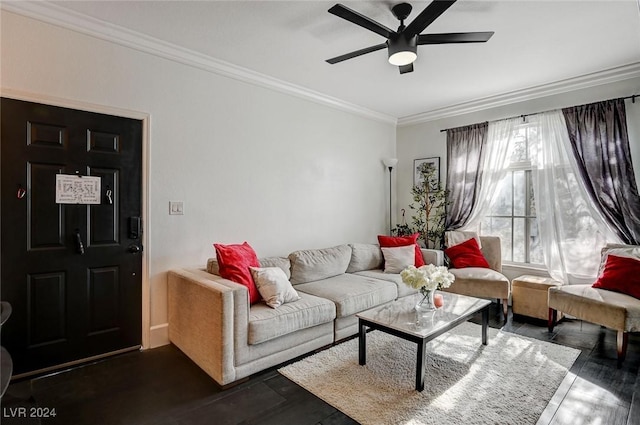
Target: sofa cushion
pixel 466 254
pixel 315 264
pixel 480 282
pixel 266 323
pixel 351 293
pixel 402 288
pixel 392 241
pixel 364 256
pixel 234 261
pixel 213 267
pixel 478 274
pixel 607 308
pixel 273 285
pixel 398 258
pixel 620 274
pixel 283 262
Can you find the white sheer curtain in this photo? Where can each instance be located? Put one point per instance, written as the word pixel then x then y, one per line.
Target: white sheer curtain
pixel 572 231
pixel 494 167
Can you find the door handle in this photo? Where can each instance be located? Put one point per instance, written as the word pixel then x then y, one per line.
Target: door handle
pixel 79 244
pixel 134 249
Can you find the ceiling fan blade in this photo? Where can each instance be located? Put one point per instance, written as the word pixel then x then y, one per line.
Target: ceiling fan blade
pixel 406 68
pixel 357 53
pixel 427 16
pixel 352 16
pixel 455 37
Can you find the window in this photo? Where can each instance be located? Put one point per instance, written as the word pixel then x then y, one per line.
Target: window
pixel 513 211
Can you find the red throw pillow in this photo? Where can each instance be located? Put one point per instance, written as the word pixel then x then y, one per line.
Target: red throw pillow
pixel 234 262
pixel 620 274
pixel 466 254
pixel 394 241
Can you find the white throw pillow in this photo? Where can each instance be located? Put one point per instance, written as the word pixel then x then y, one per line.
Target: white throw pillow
pixel 398 258
pixel 456 237
pixel 274 286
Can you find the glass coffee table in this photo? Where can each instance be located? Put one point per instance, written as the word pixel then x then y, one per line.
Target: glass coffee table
pixel 399 318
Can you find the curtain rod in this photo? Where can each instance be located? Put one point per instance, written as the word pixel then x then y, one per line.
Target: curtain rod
pixel 523 116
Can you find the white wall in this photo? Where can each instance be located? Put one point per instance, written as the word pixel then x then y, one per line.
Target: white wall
pixel 426 140
pixel 249 163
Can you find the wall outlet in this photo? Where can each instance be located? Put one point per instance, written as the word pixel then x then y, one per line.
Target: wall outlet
pixel 176 208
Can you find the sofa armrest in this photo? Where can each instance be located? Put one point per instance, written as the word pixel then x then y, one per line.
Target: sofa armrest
pixel 433 256
pixel 202 319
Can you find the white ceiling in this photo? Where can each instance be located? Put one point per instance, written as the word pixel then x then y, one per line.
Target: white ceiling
pixel 535 43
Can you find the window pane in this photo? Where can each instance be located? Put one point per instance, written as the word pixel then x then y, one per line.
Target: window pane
pixel 519 193
pixel 519 250
pixel 532 136
pixel 519 147
pixel 501 227
pixel 502 204
pixel 512 215
pixel 532 200
pixel 485 226
pixel 535 249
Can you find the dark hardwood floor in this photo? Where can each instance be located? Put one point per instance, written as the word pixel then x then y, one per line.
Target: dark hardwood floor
pixel 163 387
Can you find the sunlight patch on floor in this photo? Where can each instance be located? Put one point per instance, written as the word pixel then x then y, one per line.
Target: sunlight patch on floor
pixel 577 406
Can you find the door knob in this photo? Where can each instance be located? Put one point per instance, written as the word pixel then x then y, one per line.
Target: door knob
pixel 134 249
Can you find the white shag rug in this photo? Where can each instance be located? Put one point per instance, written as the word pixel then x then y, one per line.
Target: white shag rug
pixel 508 381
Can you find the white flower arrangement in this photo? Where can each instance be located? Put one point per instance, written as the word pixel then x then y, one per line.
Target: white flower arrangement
pixel 427 278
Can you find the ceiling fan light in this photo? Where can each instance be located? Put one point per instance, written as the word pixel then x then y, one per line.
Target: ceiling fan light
pixel 402 58
pixel 402 51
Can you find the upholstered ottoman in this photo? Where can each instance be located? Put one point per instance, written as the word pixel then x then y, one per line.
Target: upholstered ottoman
pixel 529 296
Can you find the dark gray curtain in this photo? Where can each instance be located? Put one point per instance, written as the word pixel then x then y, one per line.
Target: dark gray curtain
pixel 598 134
pixel 465 146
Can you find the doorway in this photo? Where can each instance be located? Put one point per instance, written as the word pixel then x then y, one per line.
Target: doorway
pixel 71 269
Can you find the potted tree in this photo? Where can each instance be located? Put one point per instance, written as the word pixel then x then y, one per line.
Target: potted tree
pixel 429 202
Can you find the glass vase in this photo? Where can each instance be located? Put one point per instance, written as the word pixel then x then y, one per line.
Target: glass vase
pixel 425 302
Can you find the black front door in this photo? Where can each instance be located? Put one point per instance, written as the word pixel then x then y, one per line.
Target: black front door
pixel 72 272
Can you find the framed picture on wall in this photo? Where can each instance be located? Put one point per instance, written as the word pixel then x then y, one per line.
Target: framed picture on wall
pixel 417 178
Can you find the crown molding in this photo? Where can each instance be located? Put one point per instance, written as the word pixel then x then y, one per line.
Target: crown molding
pixel 66 18
pixel 611 75
pixel 72 20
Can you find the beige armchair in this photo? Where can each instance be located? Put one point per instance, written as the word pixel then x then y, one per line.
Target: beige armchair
pixel 603 307
pixel 610 309
pixel 481 282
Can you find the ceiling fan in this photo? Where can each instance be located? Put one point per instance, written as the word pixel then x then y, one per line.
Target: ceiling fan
pixel 402 44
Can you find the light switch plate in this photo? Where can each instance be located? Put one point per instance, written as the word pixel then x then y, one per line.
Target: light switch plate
pixel 176 208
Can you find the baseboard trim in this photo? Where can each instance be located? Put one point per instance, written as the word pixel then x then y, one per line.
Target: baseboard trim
pixel 52 370
pixel 159 335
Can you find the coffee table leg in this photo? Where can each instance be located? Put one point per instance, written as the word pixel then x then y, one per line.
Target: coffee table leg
pixel 362 343
pixel 420 366
pixel 485 324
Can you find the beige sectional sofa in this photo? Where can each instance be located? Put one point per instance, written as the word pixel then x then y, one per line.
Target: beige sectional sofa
pixel 211 321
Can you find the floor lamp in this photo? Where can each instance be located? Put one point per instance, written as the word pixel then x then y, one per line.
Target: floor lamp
pixel 390 163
